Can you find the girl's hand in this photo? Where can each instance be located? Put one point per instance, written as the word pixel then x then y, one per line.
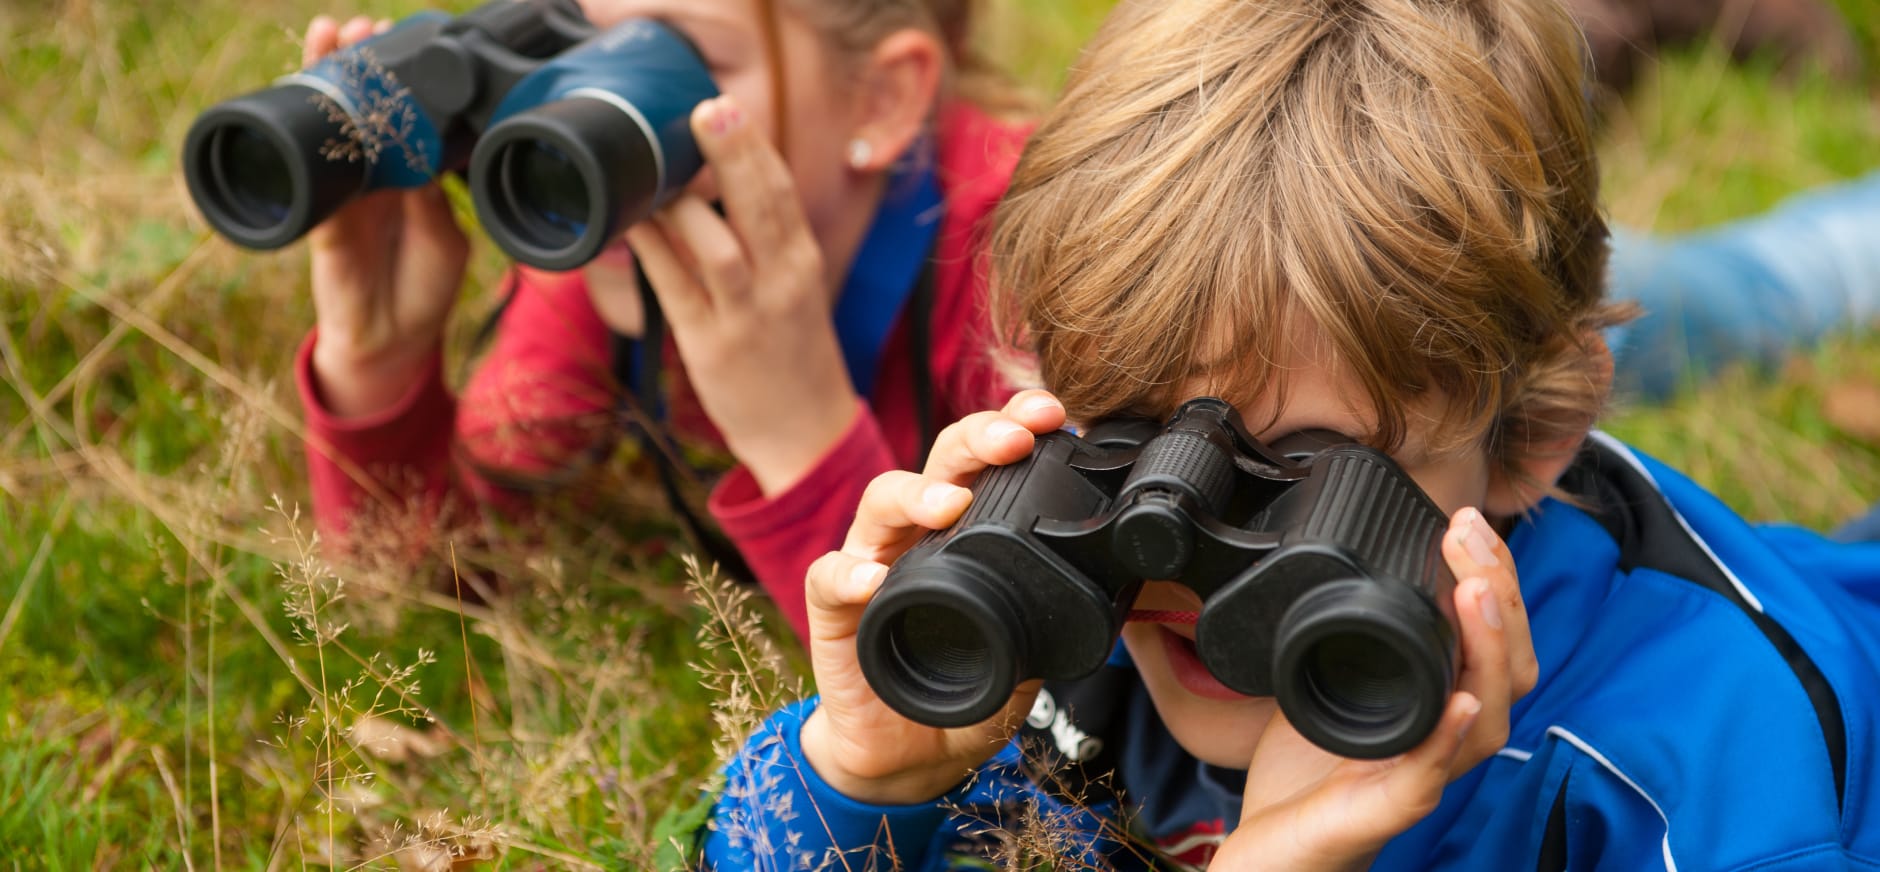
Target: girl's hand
pixel 1307 809
pixel 748 302
pixel 386 269
pixel 863 748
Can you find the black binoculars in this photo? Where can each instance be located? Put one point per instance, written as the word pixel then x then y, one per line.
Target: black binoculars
pixel 1318 560
pixel 567 133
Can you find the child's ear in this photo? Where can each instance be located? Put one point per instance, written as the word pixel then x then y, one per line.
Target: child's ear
pixel 897 86
pixel 1514 492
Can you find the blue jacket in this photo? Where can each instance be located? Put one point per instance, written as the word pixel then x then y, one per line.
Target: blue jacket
pixel 1707 701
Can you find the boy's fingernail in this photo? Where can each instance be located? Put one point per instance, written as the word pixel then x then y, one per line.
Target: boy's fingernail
pixel 861 578
pixel 1001 429
pixel 1042 404
pixel 723 116
pixel 1475 539
pixel 938 495
pixel 1489 604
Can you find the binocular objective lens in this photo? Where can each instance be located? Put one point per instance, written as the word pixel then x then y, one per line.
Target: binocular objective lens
pixel 252 177
pixel 941 649
pixel 1359 679
pixel 545 189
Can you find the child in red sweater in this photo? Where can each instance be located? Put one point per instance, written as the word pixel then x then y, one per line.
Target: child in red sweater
pixel 849 177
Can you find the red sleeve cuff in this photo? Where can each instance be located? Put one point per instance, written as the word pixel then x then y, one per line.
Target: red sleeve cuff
pixel 781 536
pixel 825 498
pixel 407 432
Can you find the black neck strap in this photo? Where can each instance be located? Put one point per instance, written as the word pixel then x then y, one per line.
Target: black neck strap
pixel 920 354
pixel 637 367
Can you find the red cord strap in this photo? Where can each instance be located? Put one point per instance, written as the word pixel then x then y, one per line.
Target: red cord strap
pixel 1158 616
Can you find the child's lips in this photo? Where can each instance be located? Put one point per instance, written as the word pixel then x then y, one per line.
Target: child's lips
pixel 1190 672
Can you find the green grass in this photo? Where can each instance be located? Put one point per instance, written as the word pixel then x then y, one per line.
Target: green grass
pixel 152 685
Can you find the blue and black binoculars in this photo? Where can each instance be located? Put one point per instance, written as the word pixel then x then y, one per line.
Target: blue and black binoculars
pixel 565 133
pixel 1318 561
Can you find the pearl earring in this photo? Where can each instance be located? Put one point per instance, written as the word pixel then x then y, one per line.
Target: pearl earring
pixel 860 153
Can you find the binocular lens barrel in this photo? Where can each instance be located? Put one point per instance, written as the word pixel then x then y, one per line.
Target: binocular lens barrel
pixel 555 184
pixel 1357 679
pixel 545 191
pixel 255 166
pixel 1362 669
pixel 942 647
pixel 252 176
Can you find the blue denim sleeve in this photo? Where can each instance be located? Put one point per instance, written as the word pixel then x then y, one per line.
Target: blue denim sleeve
pixel 1750 291
pixel 776 813
pixel 1865 528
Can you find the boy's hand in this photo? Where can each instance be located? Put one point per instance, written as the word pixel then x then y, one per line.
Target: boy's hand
pixel 386 269
pixel 1307 809
pixel 863 748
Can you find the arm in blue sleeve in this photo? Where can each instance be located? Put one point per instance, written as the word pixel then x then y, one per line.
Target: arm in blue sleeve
pixel 776 813
pixel 1754 290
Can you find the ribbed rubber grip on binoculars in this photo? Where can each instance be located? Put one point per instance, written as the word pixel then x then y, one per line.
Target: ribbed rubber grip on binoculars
pixel 1378 515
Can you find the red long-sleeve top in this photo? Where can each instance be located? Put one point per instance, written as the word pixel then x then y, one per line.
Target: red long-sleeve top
pixel 545 396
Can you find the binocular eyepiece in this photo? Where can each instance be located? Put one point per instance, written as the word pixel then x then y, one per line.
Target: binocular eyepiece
pixel 566 134
pixel 1318 561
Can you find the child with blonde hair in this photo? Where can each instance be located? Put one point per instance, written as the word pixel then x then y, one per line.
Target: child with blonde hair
pixel 1377 217
pixel 820 287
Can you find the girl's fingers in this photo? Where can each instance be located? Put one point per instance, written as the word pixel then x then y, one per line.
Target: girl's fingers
pixel 614 291
pixel 325 34
pixel 753 181
pixel 1474 550
pixel 896 507
pixel 322 37
pixel 354 30
pixel 722 263
pixel 434 249
pixel 681 299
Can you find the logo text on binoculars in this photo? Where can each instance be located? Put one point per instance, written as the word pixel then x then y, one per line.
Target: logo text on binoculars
pixel 1072 742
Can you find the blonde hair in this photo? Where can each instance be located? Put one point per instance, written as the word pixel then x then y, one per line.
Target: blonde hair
pixel 1413 177
pixel 855 26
